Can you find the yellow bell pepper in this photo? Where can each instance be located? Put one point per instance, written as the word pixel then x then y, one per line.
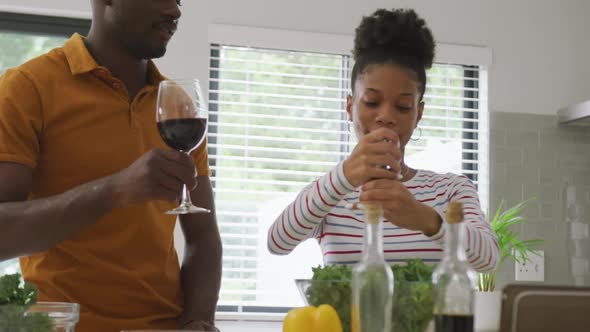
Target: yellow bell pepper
pixel 311 319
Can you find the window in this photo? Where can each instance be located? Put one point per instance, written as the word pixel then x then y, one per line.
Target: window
pixel 277 122
pixel 23 37
pixel 448 133
pixel 16 48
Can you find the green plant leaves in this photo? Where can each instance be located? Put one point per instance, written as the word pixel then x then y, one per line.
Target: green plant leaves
pixel 16 297
pixel 511 246
pixel 412 301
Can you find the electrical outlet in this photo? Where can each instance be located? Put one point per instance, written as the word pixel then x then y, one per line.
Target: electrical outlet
pixel 533 269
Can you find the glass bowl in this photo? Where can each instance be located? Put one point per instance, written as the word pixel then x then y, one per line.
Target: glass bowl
pixel 40 317
pixel 412 301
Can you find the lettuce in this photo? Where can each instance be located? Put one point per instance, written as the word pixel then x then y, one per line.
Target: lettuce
pixel 412 300
pixel 15 299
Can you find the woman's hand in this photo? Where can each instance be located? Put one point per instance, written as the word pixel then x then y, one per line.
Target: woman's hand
pixel 400 207
pixel 375 151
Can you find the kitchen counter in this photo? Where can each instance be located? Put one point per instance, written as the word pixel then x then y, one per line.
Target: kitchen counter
pixel 249 326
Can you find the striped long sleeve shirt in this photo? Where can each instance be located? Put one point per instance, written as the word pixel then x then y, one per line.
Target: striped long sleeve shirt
pixel 320 212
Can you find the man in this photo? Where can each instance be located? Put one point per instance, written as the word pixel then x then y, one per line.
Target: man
pixel 85 179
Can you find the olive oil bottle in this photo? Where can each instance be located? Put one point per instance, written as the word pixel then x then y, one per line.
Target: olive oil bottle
pixel 372 279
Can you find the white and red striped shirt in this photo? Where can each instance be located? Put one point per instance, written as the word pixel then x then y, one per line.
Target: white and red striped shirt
pixel 319 212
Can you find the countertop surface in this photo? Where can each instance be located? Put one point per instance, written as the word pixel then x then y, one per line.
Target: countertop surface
pixel 248 326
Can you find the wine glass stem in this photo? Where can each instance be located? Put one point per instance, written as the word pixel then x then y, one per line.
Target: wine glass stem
pixel 186 198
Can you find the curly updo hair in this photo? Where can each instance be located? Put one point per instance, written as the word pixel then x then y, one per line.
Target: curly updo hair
pixel 396 36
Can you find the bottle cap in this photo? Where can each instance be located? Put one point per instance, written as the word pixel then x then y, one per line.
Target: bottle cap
pixel 454 212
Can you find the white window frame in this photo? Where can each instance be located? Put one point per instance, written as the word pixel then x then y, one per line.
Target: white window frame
pixel 292 40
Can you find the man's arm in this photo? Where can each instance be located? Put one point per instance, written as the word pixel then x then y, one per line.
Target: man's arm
pixel 28 227
pixel 201 267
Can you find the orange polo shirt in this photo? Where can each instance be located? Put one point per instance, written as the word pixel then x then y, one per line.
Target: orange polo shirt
pixel 72 122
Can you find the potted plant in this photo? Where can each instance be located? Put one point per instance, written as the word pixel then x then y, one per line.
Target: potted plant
pixel 511 248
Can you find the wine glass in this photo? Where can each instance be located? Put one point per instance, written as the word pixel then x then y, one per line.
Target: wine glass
pixel 182 122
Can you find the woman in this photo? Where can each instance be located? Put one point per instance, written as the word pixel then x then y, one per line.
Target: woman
pixel 392 51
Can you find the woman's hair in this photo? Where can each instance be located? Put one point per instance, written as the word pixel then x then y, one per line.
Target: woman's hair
pixel 396 36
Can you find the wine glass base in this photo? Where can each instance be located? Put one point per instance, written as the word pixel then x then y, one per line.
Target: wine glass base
pixel 187 209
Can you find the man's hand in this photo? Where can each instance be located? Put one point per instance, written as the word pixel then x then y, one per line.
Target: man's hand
pixel 400 207
pixel 371 155
pixel 157 175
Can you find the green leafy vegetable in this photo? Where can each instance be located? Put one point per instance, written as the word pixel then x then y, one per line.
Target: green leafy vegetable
pixel 412 300
pixel 15 293
pixel 331 285
pixel 16 298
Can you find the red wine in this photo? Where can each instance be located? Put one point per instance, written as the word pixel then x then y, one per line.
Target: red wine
pixel 182 134
pixel 453 323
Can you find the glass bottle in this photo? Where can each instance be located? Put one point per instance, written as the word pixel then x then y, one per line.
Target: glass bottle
pixel 454 281
pixel 372 279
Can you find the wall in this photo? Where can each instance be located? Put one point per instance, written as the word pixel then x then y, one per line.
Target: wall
pixel 532 156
